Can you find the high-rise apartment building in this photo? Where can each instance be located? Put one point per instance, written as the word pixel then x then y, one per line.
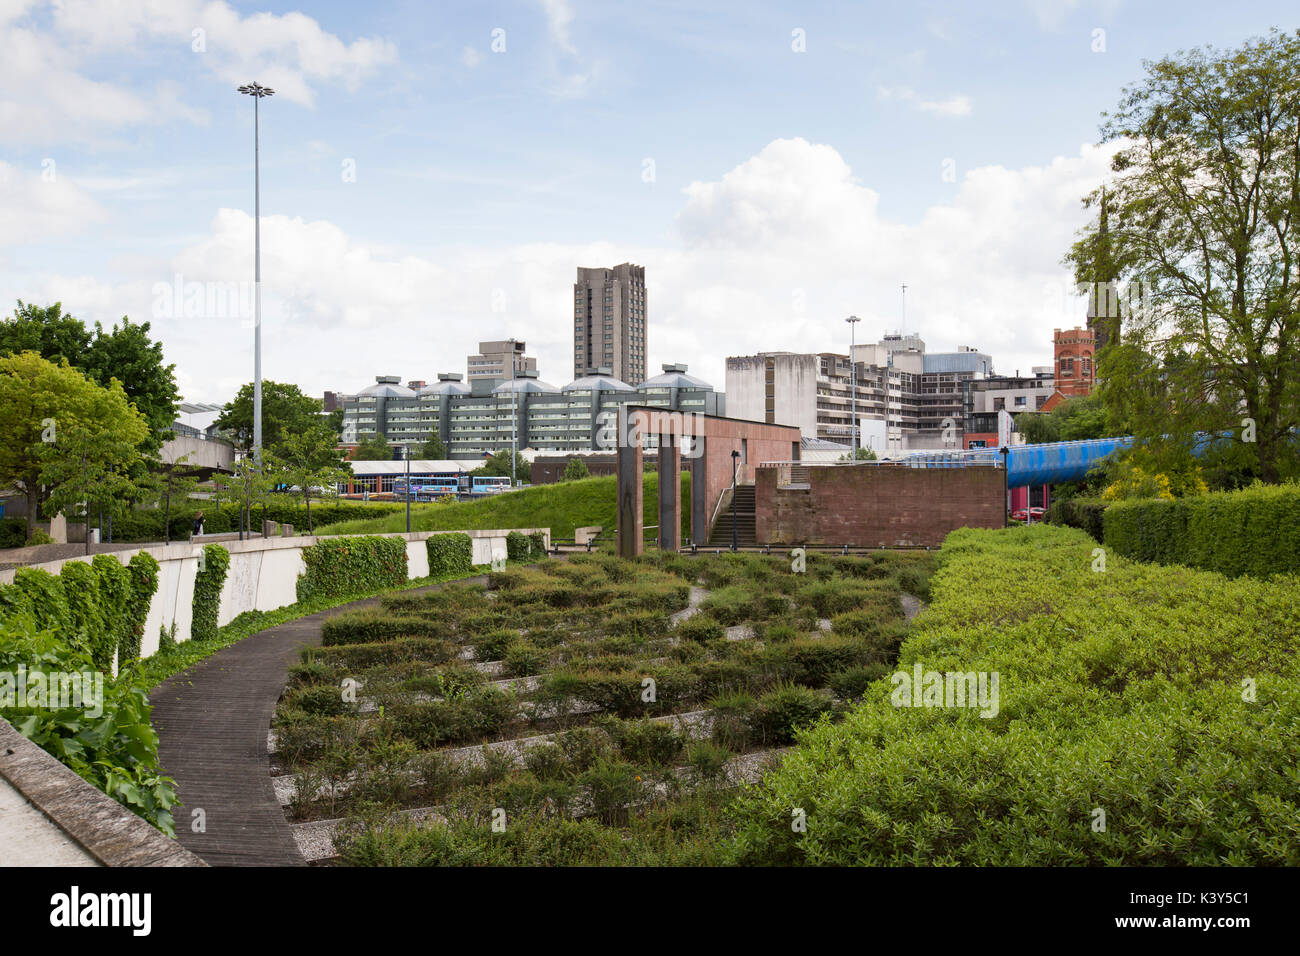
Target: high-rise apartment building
pixel 609 322
pixel 492 363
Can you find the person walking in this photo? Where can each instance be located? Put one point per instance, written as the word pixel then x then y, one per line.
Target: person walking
pixel 198 524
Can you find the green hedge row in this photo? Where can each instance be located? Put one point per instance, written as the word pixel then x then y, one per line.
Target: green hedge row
pixel 1082 513
pixel 147 525
pixel 1253 531
pixel 98 608
pixel 450 554
pixel 207 592
pixel 523 547
pixel 342 566
pixel 13 532
pixel 1166 698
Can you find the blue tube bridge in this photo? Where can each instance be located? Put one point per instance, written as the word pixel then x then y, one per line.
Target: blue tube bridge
pixel 1029 464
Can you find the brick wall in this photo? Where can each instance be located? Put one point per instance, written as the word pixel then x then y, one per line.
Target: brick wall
pixel 872 506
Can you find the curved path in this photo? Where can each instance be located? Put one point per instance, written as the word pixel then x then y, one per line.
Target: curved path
pixel 212 720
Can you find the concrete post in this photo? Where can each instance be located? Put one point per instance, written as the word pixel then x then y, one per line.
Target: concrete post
pixel 629 485
pixel 699 490
pixel 670 492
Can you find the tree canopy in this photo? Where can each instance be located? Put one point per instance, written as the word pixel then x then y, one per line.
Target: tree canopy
pixel 125 352
pixel 286 411
pixel 1201 219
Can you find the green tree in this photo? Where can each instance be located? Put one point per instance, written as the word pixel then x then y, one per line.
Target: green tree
pixel 39 402
pixel 576 469
pixel 498 465
pixel 1203 211
pixel 434 449
pixel 1075 419
pixel 247 486
pixel 125 353
pixel 862 454
pixel 373 448
pixel 88 466
pixel 286 411
pixel 167 483
pixel 310 463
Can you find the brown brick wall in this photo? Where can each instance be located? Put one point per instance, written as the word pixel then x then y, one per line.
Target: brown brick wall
pixel 870 506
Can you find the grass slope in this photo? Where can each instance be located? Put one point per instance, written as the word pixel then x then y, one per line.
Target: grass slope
pixel 560 507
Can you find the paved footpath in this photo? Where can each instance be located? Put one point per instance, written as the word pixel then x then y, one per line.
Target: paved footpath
pixel 212 721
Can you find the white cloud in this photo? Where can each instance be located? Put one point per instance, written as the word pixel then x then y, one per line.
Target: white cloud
pixel 471 57
pixel 48 92
pixel 957 105
pixel 559 19
pixel 40 205
pixel 770 255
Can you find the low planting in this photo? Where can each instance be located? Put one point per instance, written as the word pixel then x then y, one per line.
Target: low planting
pixel 566 695
pixel 1165 699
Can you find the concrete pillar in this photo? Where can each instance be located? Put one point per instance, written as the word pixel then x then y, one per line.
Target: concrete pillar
pixel 670 492
pixel 629 484
pixel 699 490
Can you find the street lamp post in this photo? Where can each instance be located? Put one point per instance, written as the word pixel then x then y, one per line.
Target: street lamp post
pixel 735 459
pixel 853 321
pixel 408 489
pixel 257 91
pixel 514 417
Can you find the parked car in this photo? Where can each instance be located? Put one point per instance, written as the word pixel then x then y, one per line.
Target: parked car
pixel 1029 514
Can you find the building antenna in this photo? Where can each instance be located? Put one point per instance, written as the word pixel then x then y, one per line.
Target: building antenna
pixel 904 329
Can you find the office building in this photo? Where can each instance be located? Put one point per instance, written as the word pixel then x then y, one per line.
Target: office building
pixel 609 322
pixel 492 363
pixel 532 413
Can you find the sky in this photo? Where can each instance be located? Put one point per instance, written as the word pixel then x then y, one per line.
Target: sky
pixel 433 173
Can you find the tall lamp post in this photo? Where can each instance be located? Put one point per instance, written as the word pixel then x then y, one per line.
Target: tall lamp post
pixel 853 321
pixel 257 91
pixel 408 488
pixel 514 417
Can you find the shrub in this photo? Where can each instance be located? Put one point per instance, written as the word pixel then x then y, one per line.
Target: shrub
pixel 493 645
pixel 86 620
pixel 701 628
pixel 398 651
pixel 785 709
pixel 337 567
pixel 537 544
pixel 13 532
pixel 207 592
pixel 114 591
pixel 1253 530
pixel 732 720
pixel 518 546
pixel 366 626
pixel 1083 513
pixel 142 572
pixel 649 743
pixel 730 605
pixel 853 682
pixel 1119 690
pixel 39 594
pixel 524 660
pixel 116 751
pixel 450 554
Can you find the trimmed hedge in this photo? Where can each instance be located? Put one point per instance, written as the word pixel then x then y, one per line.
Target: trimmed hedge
pixel 450 554
pixel 147 524
pixel 86 630
pixel 207 592
pixel 142 574
pixel 1252 531
pixel 518 546
pixel 342 566
pixel 1120 690
pixel 13 532
pixel 114 595
pixel 38 594
pixel 1082 513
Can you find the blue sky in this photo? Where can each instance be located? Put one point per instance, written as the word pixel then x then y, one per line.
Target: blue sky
pixel 769 191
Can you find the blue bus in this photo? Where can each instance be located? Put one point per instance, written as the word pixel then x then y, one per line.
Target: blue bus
pixel 489 485
pixel 427 489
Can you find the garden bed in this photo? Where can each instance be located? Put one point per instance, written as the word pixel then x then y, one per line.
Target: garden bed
pixel 612 706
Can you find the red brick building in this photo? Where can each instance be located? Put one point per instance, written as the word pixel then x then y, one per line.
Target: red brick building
pixel 1073 353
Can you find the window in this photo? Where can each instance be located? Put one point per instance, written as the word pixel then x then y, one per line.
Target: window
pixel 1020 401
pixel 999 404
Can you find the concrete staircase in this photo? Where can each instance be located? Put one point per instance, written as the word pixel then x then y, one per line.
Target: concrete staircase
pixel 720 536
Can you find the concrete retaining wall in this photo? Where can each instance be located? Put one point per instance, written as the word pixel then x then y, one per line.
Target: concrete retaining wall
pixel 263 575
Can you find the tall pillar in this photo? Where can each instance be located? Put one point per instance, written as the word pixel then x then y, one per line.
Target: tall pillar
pixel 670 492
pixel 699 491
pixel 628 469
